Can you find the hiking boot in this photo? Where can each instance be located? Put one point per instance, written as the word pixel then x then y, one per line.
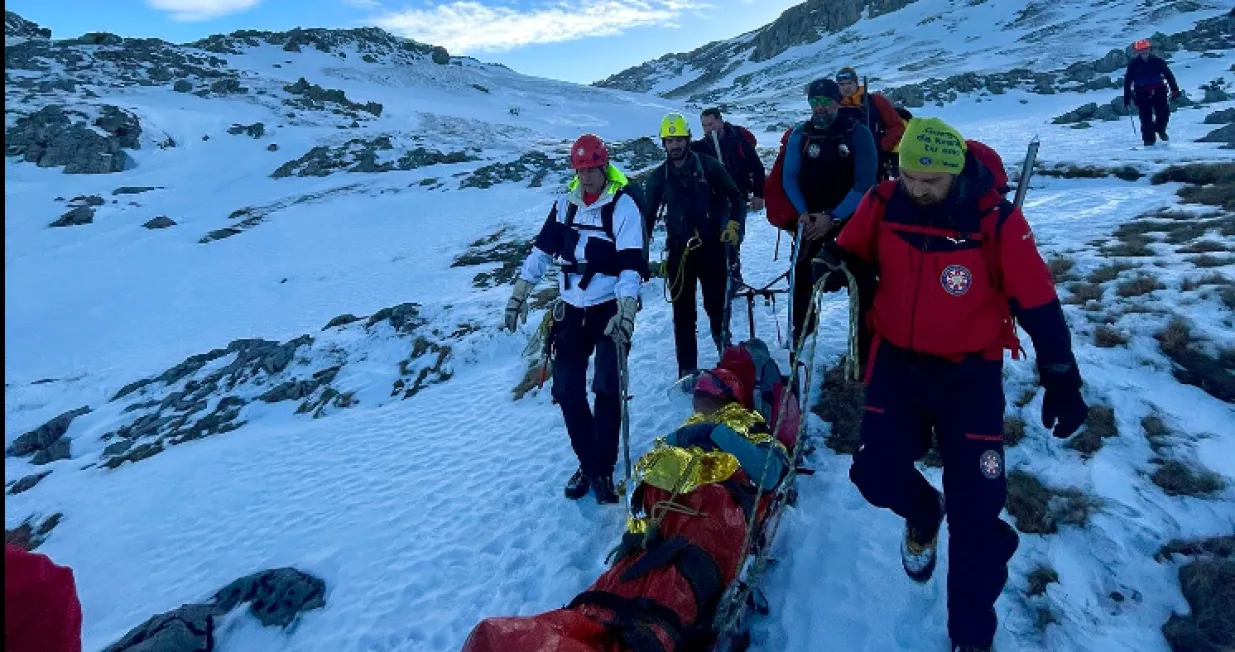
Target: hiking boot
pixel 602 488
pixel 577 486
pixel 971 648
pixel 918 550
pixel 1163 136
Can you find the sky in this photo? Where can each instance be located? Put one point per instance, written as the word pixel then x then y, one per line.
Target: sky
pixel 572 40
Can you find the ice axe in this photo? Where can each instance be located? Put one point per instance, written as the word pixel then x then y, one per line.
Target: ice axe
pixel 1031 157
pixel 623 385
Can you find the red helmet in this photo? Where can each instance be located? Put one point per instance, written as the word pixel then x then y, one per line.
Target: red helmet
pixel 589 152
pixel 720 383
pixel 1141 45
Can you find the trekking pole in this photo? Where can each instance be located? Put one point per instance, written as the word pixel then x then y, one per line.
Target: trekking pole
pixel 624 383
pixel 793 273
pixel 716 143
pixel 1132 121
pixel 1031 157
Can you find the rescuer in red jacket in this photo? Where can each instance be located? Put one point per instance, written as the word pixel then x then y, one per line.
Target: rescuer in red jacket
pixel 956 263
pixel 41 610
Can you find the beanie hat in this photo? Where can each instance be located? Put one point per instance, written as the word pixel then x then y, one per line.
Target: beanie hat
pixel 824 88
pixel 930 145
pixel 719 383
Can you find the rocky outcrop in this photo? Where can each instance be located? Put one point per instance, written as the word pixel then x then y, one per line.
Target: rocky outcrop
pixel 17 27
pixel 373 44
pixel 27 483
pixel 75 217
pixel 56 136
pixel 315 98
pixel 360 155
pixel 255 130
pixel 47 443
pixel 275 598
pixel 533 167
pixel 805 23
pixel 160 222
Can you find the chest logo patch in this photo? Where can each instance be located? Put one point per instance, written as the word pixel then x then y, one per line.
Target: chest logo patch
pixel 956 280
pixel 991 464
pixel 813 151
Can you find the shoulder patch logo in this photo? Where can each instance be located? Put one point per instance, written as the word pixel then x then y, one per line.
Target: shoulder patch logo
pixel 813 151
pixel 991 464
pixel 956 280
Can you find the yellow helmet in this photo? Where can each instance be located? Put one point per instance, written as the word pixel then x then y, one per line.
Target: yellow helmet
pixel 674 125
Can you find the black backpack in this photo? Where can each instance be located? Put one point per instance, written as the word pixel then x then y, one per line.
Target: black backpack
pixel 635 193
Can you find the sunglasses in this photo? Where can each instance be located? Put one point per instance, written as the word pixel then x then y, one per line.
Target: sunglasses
pixel 821 102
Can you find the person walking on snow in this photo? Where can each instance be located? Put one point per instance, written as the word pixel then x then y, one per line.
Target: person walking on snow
pixel 830 162
pixel 596 231
pixel 42 612
pixel 705 214
pixel 1146 80
pixel 957 263
pixel 737 153
pixel 878 114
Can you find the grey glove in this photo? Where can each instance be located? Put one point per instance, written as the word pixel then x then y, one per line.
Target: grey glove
pixel 516 306
pixel 622 327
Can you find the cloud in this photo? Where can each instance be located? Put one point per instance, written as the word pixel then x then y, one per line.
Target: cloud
pixel 466 26
pixel 196 10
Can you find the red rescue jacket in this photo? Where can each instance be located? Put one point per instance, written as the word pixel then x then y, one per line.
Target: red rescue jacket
pixel 948 272
pixel 41 610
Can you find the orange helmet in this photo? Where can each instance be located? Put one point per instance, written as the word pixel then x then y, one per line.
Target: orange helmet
pixel 589 152
pixel 1141 45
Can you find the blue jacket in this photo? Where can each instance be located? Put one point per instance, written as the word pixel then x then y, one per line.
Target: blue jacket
pixel 865 162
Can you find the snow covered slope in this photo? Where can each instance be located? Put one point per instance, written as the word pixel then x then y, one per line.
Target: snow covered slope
pixel 306 370
pixel 898 42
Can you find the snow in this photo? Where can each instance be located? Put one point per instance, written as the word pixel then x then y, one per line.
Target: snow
pixel 426 515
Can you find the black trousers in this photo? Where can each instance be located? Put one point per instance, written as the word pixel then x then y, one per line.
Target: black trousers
pixel 803 287
pixel 593 435
pixel 964 401
pixel 704 268
pixel 1154 108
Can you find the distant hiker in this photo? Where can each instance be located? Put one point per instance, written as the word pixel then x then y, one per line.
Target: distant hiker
pixel 705 215
pixel 829 163
pixel 597 233
pixel 878 114
pixel 1146 80
pixel 41 610
pixel 957 263
pixel 737 152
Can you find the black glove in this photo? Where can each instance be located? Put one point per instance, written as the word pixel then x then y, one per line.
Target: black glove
pixel 1063 407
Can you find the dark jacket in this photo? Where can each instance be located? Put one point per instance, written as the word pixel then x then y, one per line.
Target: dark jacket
pixel 1147 74
pixel 698 197
pixel 740 159
pixel 830 169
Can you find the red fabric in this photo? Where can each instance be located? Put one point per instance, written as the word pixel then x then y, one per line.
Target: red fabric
pixel 590 198
pixel 939 322
pixel 589 151
pixel 737 361
pixel 41 609
pixel 992 161
pixel 786 423
pixel 893 126
pixel 719 529
pixel 750 138
pixel 722 382
pixel 781 213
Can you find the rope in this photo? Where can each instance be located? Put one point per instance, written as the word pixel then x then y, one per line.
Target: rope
pixel 853 366
pixel 671 294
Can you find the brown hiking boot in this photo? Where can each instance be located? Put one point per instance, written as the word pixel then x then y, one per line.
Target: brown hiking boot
pixel 919 550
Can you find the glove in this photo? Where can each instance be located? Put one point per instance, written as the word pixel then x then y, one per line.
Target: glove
pixel 1063 408
pixel 1175 95
pixel 732 234
pixel 516 306
pixel 622 326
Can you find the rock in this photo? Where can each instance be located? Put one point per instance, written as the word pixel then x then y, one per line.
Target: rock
pixel 439 55
pixel 17 27
pixel 1221 135
pixel 1114 60
pixel 117 448
pixel 1081 125
pixel 1082 71
pixel 27 483
pixel 45 435
pixel 276 597
pixel 75 217
pixel 272 147
pixel 404 318
pixel 57 450
pixel 1223 117
pixel 1215 95
pixel 160 222
pixel 255 130
pixel 189 628
pixel 133 190
pixel 54 136
pixel 341 320
pixel 182 86
pixel 1078 115
pixel 88 200
pixel 227 87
